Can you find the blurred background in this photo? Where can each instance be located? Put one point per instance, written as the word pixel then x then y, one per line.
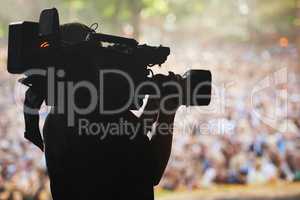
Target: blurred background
pixel 245 145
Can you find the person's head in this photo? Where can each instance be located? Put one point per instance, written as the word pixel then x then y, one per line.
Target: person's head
pixel 81 69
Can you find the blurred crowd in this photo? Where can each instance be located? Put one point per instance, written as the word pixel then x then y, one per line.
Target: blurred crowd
pixel 248 135
pixel 23 174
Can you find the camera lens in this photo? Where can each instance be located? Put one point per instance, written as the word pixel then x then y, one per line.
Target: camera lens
pixel 197 88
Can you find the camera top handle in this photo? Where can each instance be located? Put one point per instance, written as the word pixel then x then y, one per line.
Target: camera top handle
pixel 112 39
pixel 49 23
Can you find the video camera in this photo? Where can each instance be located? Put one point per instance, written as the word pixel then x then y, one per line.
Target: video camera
pixel 44 45
pixel 38 45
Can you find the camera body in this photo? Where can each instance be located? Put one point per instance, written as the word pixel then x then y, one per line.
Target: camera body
pixel 39 45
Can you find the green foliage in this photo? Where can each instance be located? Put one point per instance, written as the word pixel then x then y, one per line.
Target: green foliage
pixel 278 15
pixel 155 7
pixel 237 16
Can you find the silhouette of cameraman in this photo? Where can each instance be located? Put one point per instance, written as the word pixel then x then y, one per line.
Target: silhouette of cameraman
pixel 84 167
